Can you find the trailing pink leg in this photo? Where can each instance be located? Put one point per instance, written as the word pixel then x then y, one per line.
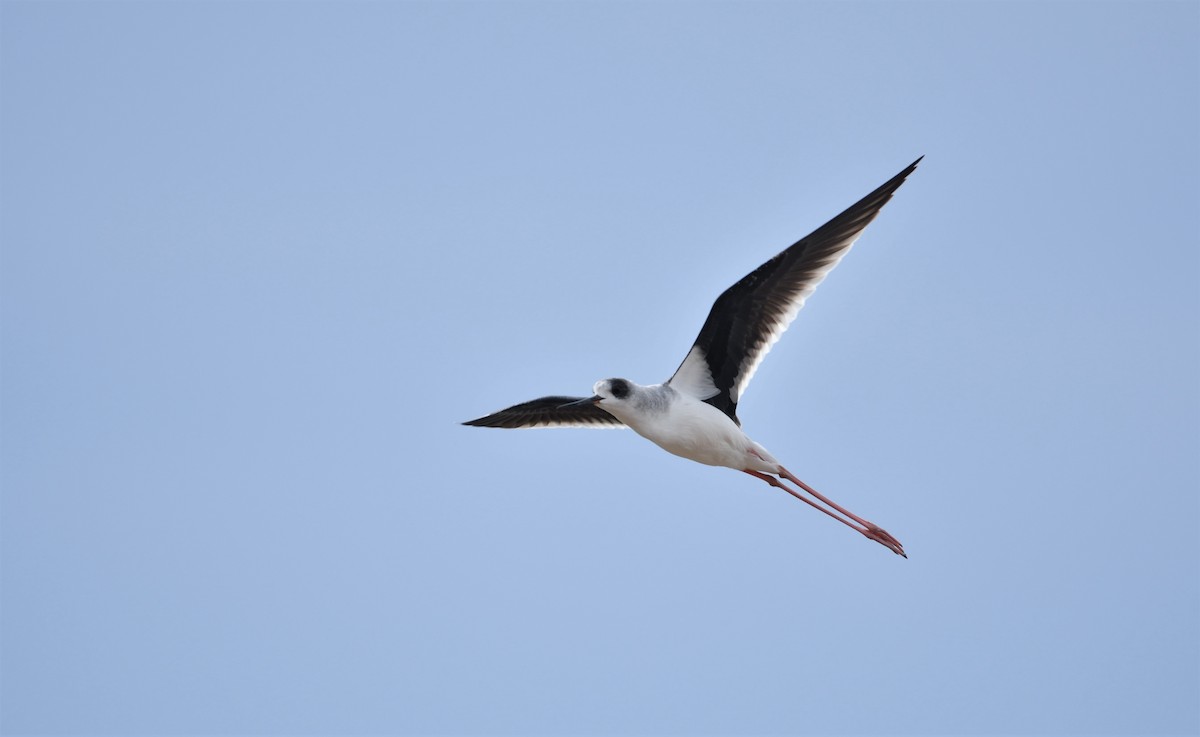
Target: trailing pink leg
pixel 865 523
pixel 869 530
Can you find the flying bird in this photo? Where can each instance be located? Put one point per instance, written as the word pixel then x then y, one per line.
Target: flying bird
pixel 694 413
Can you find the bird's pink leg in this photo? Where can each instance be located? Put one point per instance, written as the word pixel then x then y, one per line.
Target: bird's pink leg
pixel 780 485
pixel 868 530
pixel 865 523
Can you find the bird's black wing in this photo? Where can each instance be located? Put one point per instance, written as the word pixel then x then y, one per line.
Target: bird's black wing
pixel 749 317
pixel 549 412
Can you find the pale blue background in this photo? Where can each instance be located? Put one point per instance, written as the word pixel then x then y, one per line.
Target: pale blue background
pixel 259 259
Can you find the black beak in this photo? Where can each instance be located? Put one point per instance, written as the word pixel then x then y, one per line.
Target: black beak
pixel 590 400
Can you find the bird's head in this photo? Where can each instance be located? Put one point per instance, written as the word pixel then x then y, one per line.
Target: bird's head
pixel 612 392
pixel 617 397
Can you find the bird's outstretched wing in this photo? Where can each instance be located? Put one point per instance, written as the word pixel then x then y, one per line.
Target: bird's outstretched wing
pixel 549 412
pixel 749 317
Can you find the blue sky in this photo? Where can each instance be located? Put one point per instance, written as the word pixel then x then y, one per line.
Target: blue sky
pixel 260 259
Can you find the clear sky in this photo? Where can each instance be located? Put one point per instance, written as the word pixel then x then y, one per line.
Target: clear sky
pixel 261 258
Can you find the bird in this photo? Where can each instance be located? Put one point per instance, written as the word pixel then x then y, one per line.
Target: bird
pixel 693 414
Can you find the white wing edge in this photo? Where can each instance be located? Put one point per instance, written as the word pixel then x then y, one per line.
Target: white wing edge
pixel 693 376
pixel 750 365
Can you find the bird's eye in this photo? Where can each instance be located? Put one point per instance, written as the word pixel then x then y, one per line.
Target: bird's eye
pixel 620 388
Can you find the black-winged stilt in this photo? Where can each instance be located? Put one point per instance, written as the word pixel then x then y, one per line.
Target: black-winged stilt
pixel 694 413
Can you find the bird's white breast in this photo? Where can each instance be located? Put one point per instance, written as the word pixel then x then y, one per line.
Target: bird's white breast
pixel 695 430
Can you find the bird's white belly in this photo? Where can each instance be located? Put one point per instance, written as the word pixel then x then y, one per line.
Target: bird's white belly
pixel 699 432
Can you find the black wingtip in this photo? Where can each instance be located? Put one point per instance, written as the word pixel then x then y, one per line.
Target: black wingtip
pixel 906 171
pixel 875 201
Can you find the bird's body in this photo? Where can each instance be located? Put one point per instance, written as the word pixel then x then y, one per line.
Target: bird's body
pixel 694 413
pixel 685 426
